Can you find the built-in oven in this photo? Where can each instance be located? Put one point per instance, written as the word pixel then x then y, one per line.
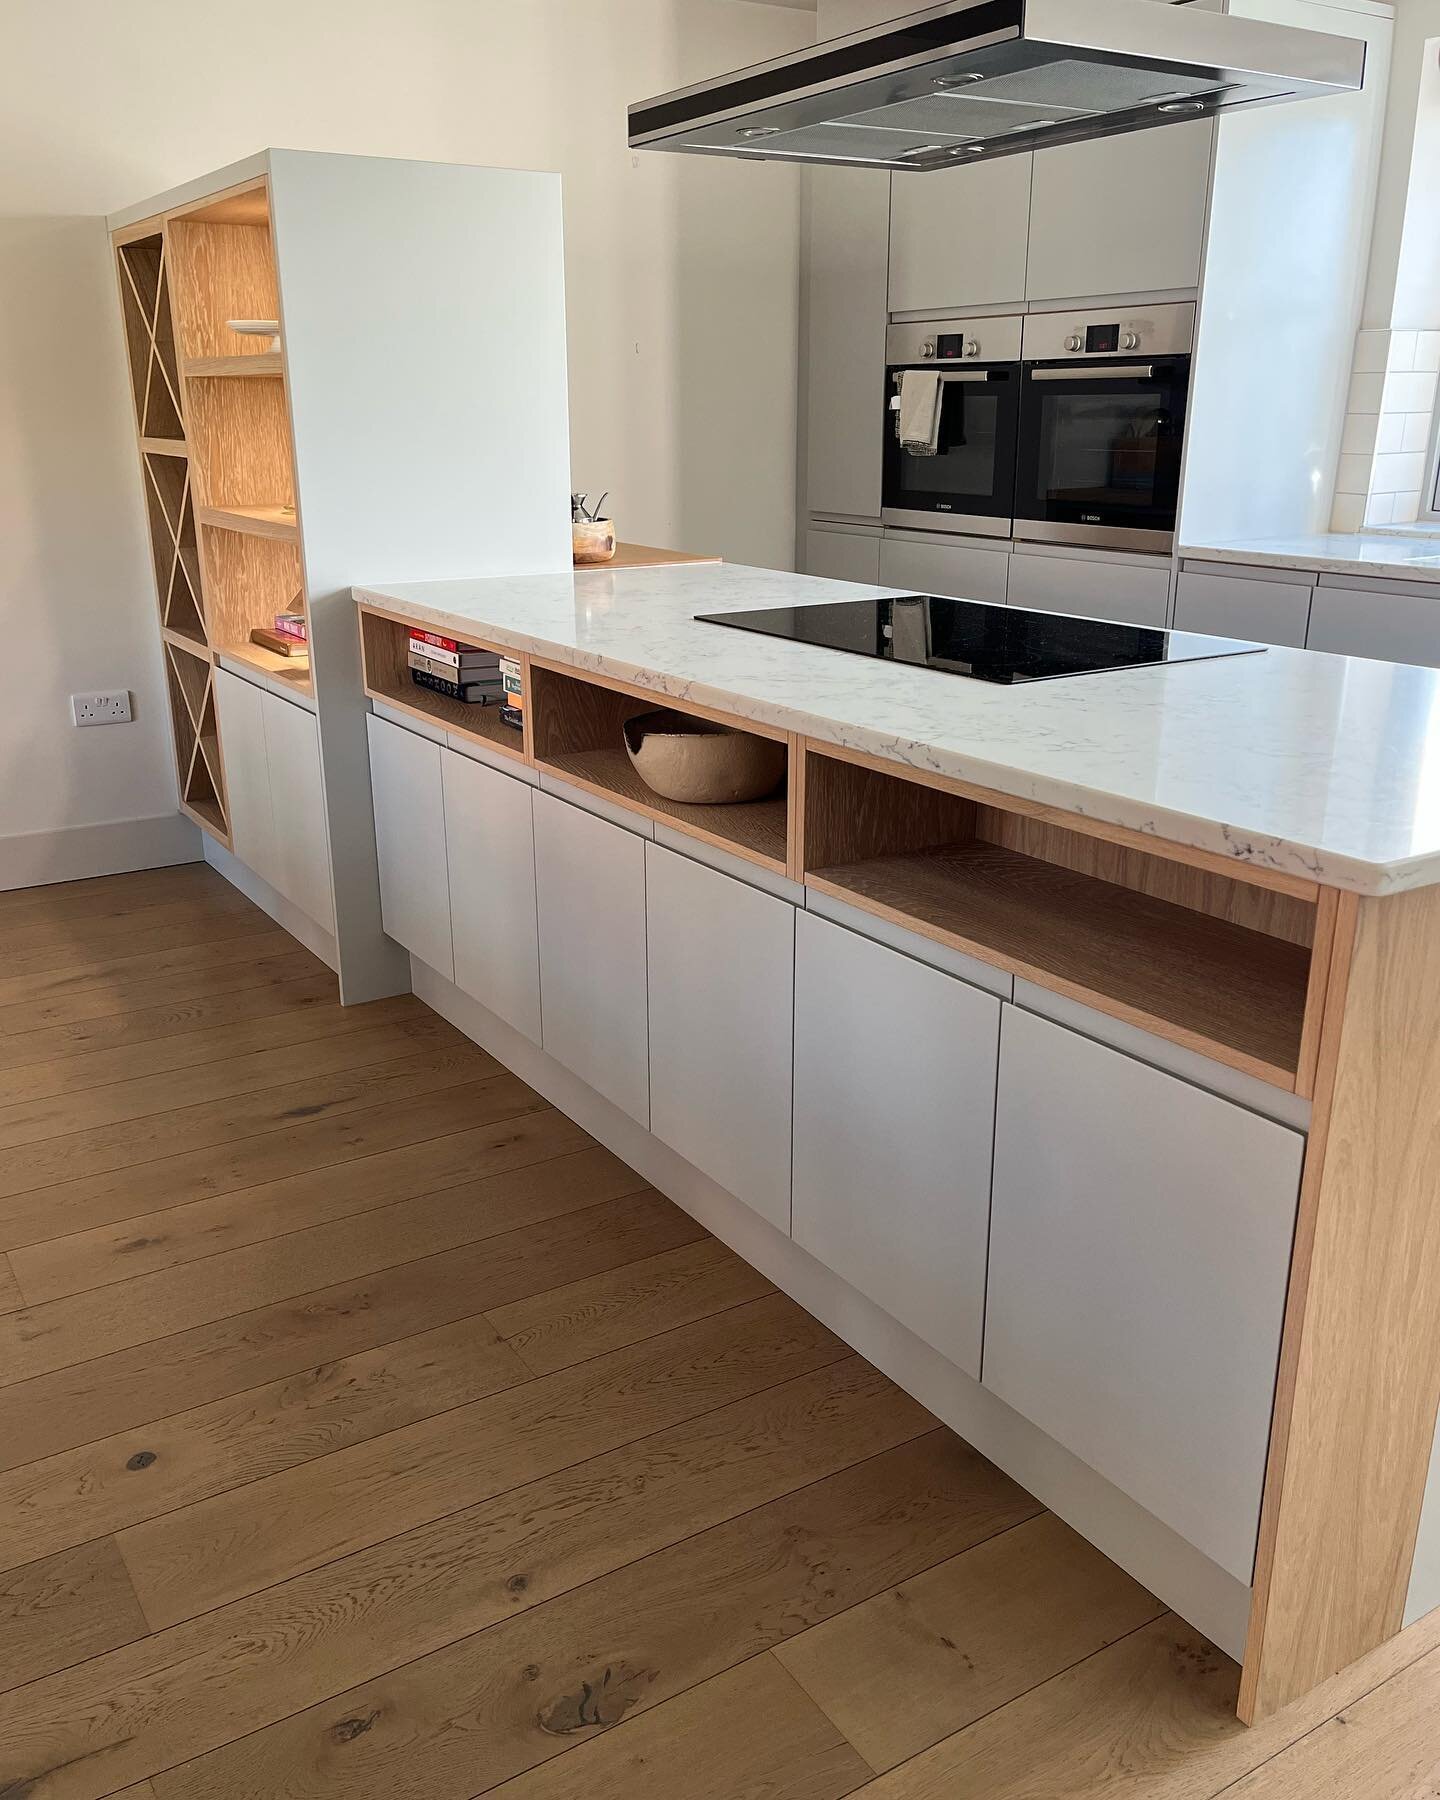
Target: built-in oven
pixel 1102 426
pixel 965 481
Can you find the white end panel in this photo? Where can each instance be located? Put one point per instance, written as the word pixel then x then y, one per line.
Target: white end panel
pixel 422 308
pixel 1281 290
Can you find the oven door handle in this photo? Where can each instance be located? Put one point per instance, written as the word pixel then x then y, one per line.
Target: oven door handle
pixel 946 376
pixel 1101 372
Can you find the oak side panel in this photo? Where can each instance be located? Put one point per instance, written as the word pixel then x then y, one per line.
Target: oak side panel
pixel 1360 1365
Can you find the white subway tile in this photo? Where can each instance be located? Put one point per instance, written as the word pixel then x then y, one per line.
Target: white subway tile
pixel 1365 393
pixel 1397 474
pixel 1427 350
pixel 1358 437
pixel 1372 349
pixel 1407 509
pixel 1348 512
pixel 1408 393
pixel 1380 509
pixel 1402 350
pixel 1389 436
pixel 1416 435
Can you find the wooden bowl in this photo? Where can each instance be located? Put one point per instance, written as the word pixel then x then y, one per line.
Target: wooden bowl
pixel 592 541
pixel 699 763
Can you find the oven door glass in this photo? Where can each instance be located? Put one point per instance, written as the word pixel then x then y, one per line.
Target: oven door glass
pixel 973 473
pixel 1102 447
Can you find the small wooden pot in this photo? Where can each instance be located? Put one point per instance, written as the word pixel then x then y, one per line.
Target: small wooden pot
pixel 592 541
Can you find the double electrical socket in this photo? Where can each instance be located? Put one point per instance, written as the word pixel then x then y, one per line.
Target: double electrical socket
pixel 102 709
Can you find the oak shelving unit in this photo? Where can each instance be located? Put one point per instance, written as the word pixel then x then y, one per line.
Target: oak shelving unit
pixel 216 461
pixel 384 649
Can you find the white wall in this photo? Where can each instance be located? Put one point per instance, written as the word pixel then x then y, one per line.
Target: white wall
pixel 681 281
pixel 1404 282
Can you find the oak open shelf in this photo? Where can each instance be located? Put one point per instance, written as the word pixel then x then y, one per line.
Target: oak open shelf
pixel 291 672
pixel 266 365
pixel 258 521
pixel 577 734
pixel 384 647
pixel 1222 967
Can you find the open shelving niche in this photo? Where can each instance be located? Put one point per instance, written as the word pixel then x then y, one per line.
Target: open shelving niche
pixel 191 684
pixel 238 426
pixel 1224 964
pixel 384 649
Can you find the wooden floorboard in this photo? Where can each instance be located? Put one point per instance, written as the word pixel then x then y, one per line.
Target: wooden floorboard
pixel 369 1433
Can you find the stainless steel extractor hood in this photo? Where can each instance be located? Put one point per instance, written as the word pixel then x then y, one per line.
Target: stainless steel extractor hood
pixel 978 78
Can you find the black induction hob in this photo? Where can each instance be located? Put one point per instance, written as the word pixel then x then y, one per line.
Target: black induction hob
pixel 988 643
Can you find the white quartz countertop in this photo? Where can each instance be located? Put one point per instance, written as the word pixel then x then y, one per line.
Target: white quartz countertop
pixel 1333 552
pixel 1326 767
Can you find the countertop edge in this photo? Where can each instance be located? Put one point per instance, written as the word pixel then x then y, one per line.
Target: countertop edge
pixel 1328 869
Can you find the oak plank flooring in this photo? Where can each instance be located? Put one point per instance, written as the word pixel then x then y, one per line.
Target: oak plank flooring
pixel 278 959
pixel 750 1731
pixel 64 1609
pixel 223 1549
pixel 565 1325
pixel 190 1231
pixel 480 1469
pixel 27 1072
pixel 169 1463
pixel 81 1326
pixel 391 1032
pixel 455 1100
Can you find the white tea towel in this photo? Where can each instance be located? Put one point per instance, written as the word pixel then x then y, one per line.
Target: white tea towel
pixel 919 426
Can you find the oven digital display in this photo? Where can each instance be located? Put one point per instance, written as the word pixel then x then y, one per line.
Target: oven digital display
pixel 949 345
pixel 1101 339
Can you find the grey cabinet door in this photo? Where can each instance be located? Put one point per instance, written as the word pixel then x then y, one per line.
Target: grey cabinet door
pixel 239 709
pixel 590 901
pixel 957 239
pixel 297 806
pixel 410 842
pixel 1271 612
pixel 962 570
pixel 490 843
pixel 846 260
pixel 842 556
pixel 1139 1252
pixel 1093 587
pixel 721 978
pixel 894 1107
pixel 1120 215
pixel 1395 627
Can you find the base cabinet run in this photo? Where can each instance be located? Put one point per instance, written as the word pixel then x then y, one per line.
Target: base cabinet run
pixel 721 975
pixel 405 782
pixel 590 899
pixel 1139 1246
pixel 895 1069
pixel 490 847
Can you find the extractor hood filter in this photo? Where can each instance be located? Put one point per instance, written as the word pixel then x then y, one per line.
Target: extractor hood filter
pixel 978 78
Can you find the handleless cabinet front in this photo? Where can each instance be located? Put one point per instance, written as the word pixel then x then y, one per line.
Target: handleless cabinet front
pixel 297 809
pixel 490 842
pixel 722 967
pixel 1139 1252
pixel 1270 612
pixel 842 555
pixel 957 237
pixel 590 901
pixel 1380 622
pixel 1092 587
pixel 895 1068
pixel 247 772
pixel 410 843
pixel 961 570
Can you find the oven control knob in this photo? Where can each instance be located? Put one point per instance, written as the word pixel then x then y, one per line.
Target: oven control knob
pixel 972 347
pixel 1073 341
pixel 927 349
pixel 1130 341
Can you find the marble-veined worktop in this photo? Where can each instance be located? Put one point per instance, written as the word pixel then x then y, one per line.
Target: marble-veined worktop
pixel 1321 766
pixel 1358 553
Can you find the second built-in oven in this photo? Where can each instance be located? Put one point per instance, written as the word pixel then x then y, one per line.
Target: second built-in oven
pixel 964 480
pixel 1102 427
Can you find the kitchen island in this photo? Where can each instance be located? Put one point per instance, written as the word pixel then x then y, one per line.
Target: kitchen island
pixel 1069 1048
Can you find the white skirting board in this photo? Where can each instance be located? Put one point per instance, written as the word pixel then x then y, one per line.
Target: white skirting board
pixel 1208 1598
pixel 284 912
pixel 81 852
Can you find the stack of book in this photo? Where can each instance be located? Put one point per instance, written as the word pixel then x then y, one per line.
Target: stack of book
pixel 291 625
pixel 458 670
